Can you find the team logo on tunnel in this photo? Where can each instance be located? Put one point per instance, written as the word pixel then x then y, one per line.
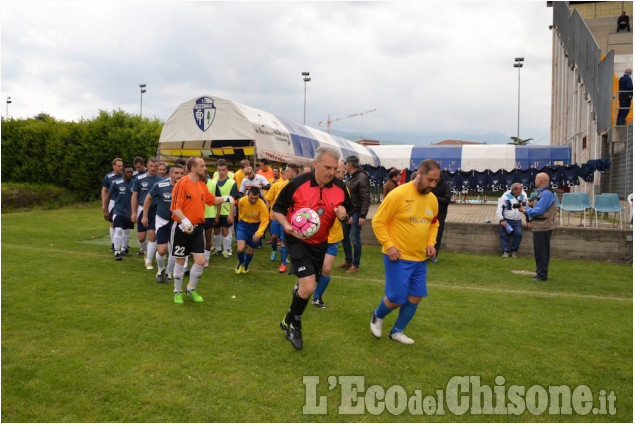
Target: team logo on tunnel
pixel 204 112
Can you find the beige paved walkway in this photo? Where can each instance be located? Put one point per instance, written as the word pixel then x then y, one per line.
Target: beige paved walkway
pixel 462 213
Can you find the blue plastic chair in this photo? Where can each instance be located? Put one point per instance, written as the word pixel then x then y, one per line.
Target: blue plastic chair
pixel 571 202
pixel 608 203
pixel 586 203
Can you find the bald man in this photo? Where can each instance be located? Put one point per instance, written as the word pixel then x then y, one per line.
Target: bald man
pixel 543 220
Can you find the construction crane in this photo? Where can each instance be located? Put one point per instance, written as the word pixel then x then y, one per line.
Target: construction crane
pixel 329 120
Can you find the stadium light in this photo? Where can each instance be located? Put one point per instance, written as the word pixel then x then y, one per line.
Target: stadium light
pixel 306 79
pixel 143 90
pixel 518 64
pixel 8 101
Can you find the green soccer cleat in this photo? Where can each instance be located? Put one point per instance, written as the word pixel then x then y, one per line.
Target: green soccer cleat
pixel 238 269
pixel 178 297
pixel 195 296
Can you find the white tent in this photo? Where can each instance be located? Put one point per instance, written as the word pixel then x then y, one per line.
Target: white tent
pixel 214 128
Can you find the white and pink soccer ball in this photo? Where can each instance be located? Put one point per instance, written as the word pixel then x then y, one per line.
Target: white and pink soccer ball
pixel 305 222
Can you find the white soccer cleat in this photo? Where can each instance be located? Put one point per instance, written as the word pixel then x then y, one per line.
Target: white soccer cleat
pixel 148 266
pixel 400 337
pixel 375 325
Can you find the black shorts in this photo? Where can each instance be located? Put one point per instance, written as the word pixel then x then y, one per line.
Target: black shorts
pixel 222 222
pixel 208 223
pixel 184 244
pixel 306 258
pixel 123 222
pixel 152 213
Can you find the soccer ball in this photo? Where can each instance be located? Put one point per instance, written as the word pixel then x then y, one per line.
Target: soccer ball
pixel 188 229
pixel 306 222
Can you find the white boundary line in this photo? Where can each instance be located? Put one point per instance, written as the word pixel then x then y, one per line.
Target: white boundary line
pixel 434 285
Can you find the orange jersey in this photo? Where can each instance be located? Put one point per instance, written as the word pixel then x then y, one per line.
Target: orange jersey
pixel 266 174
pixel 191 198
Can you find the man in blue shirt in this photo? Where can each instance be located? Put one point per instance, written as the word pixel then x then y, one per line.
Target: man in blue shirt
pixel 542 217
pixel 121 192
pixel 140 188
pixel 106 207
pixel 162 192
pixel 625 97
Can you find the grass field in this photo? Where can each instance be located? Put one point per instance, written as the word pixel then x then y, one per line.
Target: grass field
pixel 86 339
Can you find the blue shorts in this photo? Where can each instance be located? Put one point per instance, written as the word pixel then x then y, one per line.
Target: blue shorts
pixel 123 222
pixel 152 213
pixel 276 229
pixel 245 232
pixel 331 249
pixel 163 233
pixel 403 278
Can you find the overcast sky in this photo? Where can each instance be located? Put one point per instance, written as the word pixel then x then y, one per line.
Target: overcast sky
pixel 427 67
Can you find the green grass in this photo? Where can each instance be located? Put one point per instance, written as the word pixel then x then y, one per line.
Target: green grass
pixel 86 339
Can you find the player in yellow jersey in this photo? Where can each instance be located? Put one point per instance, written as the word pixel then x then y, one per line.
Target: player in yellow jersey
pixel 406 226
pixel 336 234
pixel 253 219
pixel 277 231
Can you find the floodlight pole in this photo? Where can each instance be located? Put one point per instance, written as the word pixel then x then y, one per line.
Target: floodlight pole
pixel 306 79
pixel 518 64
pixel 143 90
pixel 8 101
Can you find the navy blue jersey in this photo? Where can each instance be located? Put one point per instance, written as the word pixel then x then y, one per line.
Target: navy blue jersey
pixel 121 193
pixel 162 193
pixel 142 185
pixel 109 178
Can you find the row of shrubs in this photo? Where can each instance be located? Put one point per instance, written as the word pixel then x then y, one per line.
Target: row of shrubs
pixel 74 155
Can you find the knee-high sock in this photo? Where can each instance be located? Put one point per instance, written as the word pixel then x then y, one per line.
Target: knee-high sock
pixel 406 312
pixel 321 286
pixel 241 257
pixel 298 304
pixel 125 241
pixel 227 242
pixel 274 245
pixel 218 241
pixel 248 259
pixel 382 309
pixel 143 245
pixel 112 235
pixel 283 254
pixel 160 261
pixel 117 239
pixel 178 277
pixel 171 264
pixel 152 249
pixel 207 253
pixel 195 274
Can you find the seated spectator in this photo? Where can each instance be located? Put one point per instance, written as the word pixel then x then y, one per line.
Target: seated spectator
pixel 623 22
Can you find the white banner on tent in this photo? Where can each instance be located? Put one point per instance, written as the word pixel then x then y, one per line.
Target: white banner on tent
pixel 492 157
pixel 393 156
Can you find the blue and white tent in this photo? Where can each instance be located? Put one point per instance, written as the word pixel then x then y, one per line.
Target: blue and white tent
pixel 213 128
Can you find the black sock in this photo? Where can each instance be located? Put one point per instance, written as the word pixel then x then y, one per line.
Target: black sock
pixel 298 304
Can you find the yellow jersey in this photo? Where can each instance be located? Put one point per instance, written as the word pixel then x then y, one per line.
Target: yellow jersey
pixel 336 233
pixel 256 213
pixel 408 220
pixel 274 191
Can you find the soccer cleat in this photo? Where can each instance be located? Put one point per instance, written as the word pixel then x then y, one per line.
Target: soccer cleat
pixel 149 266
pixel 141 252
pixel 178 297
pixel 161 275
pixel 118 256
pixel 283 268
pixel 284 325
pixel 435 259
pixel 226 255
pixel 168 278
pixel 244 270
pixel 288 261
pixel 273 255
pixel 318 302
pixel 294 336
pixel 400 337
pixel 238 269
pixel 375 325
pixel 125 253
pixel 214 252
pixel 195 296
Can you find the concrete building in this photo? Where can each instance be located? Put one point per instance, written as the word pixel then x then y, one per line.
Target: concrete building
pixel 589 57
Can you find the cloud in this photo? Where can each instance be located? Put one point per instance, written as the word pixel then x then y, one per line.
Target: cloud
pixel 425 66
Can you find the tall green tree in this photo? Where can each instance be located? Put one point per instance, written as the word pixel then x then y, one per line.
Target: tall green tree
pixel 519 142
